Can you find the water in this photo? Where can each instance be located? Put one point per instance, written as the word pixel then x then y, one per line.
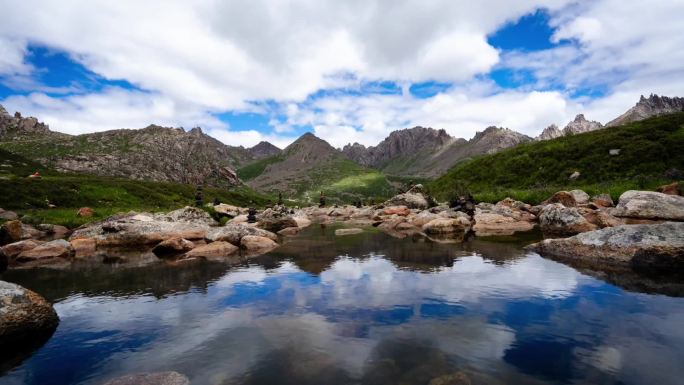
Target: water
pixel 361 309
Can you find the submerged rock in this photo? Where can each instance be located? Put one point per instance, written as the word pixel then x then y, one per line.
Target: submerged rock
pixel 161 378
pixel 650 205
pixel 351 231
pixel 651 246
pixel 25 317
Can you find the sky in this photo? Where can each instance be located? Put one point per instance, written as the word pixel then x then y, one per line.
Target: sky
pixel 348 71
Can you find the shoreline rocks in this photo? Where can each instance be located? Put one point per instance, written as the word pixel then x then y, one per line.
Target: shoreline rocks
pixel 25 317
pixel 650 205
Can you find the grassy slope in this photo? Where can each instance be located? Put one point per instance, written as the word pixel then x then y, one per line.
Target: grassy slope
pixel 106 195
pixel 533 171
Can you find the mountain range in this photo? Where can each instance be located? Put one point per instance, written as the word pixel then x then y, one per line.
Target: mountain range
pixel 304 168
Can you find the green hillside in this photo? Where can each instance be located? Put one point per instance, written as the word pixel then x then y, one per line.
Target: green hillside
pixel 651 152
pixel 106 195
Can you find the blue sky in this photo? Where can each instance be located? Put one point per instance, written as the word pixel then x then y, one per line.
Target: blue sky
pixel 350 72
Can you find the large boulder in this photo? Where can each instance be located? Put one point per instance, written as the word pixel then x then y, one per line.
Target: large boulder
pixel 415 198
pixel 650 205
pixel 10 232
pixel 227 210
pixel 161 378
pixel 234 232
pixel 25 317
pixel 274 220
pixel 213 251
pixel 188 214
pixel 557 219
pixel 172 247
pixel 257 244
pixel 458 225
pixel 423 217
pixel 8 215
pixel 55 249
pixel 492 224
pixel 12 250
pixel 565 198
pixel 657 246
pixel 580 197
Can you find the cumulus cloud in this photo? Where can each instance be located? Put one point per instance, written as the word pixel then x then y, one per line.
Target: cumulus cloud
pixel 189 64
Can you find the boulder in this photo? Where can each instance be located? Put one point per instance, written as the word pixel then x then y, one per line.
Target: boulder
pixel 161 378
pixel 650 205
pixel 10 232
pixel 85 212
pixel 12 250
pixel 227 210
pixel 8 215
pixel 54 249
pixel 415 198
pixel 602 200
pixel 257 244
pixel 423 217
pixel 657 246
pixel 397 210
pixel 669 189
pixel 602 219
pixel 558 219
pixel 188 214
pixel 493 224
pixel 447 226
pixel 172 247
pixel 350 231
pixel 55 231
pixel 563 197
pixel 234 233
pixel 25 317
pixel 214 250
pixel 289 231
pixel 84 247
pixel 575 175
pixel 302 220
pixel 242 218
pixel 580 196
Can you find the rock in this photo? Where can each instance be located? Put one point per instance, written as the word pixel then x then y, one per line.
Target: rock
pixel 25 317
pixel 565 198
pixel 641 246
pixel 242 218
pixel 4 261
pixel 55 231
pixel 415 198
pixel 603 219
pixel 253 243
pixel 227 210
pixel 580 197
pixel 447 226
pixel 575 175
pixel 558 219
pixel 669 189
pixel 423 217
pixel 8 215
pixel 351 231
pixel 234 233
pixel 404 226
pixel 650 205
pixel 276 224
pixel 12 250
pixel 84 247
pixel 54 249
pixel 172 247
pixel 302 221
pixel 289 231
pixel 161 378
pixel 602 200
pixel 85 212
pixel 214 250
pixel 492 224
pixel 458 378
pixel 188 214
pixel 10 232
pixel 397 210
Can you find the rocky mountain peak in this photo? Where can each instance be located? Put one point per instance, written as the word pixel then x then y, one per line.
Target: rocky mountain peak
pixel 580 124
pixel 550 132
pixel 17 125
pixel 264 149
pixel 3 111
pixel 647 107
pixel 494 139
pixel 196 131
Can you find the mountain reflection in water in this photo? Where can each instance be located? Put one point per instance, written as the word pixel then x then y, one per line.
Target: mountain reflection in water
pixel 358 309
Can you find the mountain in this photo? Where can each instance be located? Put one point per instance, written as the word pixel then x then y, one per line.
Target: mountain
pixel 263 150
pixel 650 155
pixel 310 165
pixel 645 108
pixel 151 153
pixel 426 152
pixel 579 125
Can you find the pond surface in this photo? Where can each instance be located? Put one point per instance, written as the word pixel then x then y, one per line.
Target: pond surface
pixel 359 309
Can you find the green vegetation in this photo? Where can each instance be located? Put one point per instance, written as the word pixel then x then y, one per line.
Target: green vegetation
pixel 255 169
pixel 651 153
pixel 106 196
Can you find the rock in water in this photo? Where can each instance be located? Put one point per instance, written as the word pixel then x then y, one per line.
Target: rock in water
pixel 256 244
pixel 351 231
pixel 172 247
pixel 655 246
pixel 26 318
pixel 10 232
pixel 650 205
pixel 415 198
pixel 560 220
pixel 213 251
pixel 161 378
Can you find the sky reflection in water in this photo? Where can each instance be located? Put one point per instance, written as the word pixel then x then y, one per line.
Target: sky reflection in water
pixel 366 309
